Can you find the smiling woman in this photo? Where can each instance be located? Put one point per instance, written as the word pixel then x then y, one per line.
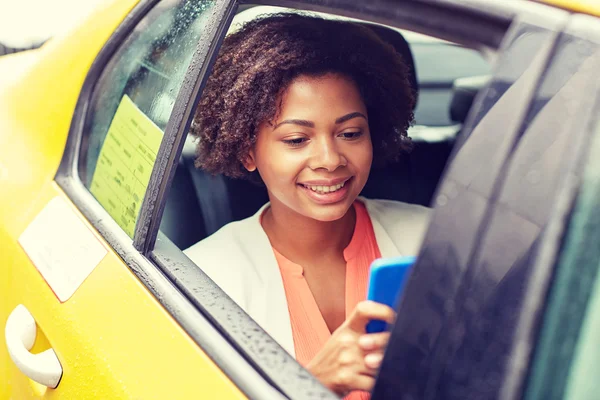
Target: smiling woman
pixel 303 158
pixel 260 61
pixel 305 106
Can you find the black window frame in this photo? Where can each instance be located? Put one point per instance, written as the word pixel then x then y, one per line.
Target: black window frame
pixel 177 283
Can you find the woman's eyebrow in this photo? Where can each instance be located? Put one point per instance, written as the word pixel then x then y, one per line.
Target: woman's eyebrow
pixel 301 122
pixel 310 124
pixel 348 117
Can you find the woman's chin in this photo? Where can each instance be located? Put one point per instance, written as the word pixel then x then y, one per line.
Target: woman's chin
pixel 330 212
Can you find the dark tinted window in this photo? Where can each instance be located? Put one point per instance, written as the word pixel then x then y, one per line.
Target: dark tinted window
pixel 426 333
pixel 496 285
pixel 438 64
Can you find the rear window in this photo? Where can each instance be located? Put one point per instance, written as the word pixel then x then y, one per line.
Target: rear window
pixel 438 64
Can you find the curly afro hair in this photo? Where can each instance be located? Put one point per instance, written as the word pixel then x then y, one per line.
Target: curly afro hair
pixel 257 63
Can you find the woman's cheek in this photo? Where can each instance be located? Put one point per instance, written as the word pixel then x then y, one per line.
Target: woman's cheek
pixel 363 157
pixel 280 174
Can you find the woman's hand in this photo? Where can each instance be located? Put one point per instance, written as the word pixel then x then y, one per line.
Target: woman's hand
pixel 350 358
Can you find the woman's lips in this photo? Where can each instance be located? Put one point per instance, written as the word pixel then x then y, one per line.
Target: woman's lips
pixel 330 197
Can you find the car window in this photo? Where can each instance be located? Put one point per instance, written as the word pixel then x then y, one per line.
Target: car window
pixel 439 64
pixel 424 337
pixel 510 241
pixel 132 102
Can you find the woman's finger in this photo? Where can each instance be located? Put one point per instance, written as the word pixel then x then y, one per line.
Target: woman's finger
pixel 364 382
pixel 373 341
pixel 366 311
pixel 373 360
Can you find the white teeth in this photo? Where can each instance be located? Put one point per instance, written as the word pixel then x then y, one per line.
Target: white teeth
pixel 326 189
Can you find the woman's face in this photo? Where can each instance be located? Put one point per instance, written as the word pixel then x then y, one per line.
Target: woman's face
pixel 316 157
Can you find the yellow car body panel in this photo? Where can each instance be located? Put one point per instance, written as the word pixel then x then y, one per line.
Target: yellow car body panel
pixel 112 337
pixel 591 7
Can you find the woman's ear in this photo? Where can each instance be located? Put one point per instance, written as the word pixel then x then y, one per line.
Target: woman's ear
pixel 249 162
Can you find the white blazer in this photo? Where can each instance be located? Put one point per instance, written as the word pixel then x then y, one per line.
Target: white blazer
pixel 240 259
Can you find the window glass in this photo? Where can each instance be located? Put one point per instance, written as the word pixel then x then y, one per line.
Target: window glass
pixel 425 336
pixel 439 64
pixel 549 143
pixel 132 103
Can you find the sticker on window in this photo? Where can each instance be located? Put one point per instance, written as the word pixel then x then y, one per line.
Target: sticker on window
pixel 125 164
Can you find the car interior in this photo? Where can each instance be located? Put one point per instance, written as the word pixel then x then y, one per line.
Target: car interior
pixel 199 204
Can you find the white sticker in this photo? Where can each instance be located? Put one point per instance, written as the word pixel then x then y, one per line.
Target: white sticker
pixel 61 247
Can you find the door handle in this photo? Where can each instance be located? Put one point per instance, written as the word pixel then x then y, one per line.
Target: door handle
pixel 20 332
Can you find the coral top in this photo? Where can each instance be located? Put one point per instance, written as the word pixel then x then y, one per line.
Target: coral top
pixel 309 330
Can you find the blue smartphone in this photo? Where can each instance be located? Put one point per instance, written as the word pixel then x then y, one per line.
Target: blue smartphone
pixel 387 278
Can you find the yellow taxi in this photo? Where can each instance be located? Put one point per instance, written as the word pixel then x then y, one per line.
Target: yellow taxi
pixel 99 198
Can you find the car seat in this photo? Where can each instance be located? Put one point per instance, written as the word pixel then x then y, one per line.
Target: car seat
pixel 199 204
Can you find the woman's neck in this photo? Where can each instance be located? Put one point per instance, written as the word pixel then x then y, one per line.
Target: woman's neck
pixel 299 238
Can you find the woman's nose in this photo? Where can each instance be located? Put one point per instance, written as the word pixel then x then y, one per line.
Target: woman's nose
pixel 327 156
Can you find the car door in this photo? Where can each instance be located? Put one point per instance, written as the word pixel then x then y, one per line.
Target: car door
pixel 78 322
pixel 490 324
pixel 555 351
pixel 507 277
pixel 453 333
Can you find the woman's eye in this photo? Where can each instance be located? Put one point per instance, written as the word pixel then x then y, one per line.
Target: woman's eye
pixel 351 135
pixel 295 141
